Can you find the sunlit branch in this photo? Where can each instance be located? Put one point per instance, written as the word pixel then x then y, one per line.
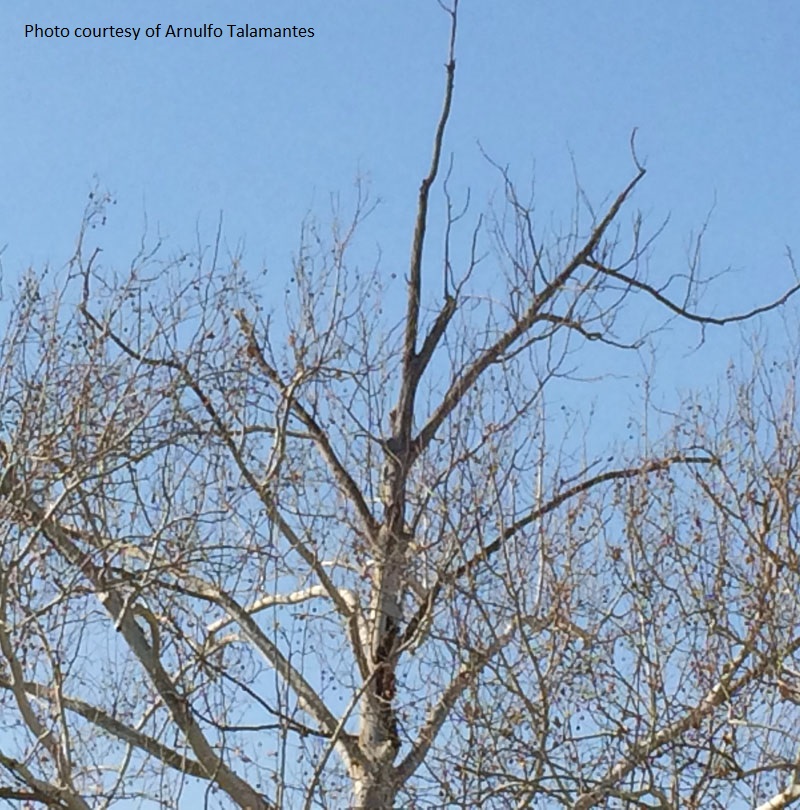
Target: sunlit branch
pixel 58 750
pixel 109 724
pixel 271 509
pixel 307 696
pixel 723 691
pixel 42 791
pixel 33 515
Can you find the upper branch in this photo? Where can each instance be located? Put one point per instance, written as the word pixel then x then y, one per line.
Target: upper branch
pixel 342 476
pixel 464 382
pixel 682 311
pixel 415 274
pixel 307 554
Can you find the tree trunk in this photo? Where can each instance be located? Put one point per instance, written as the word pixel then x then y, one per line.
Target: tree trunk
pixel 375 789
pixel 374 783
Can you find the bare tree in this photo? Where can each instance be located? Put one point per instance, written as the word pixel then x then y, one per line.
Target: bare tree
pixel 347 557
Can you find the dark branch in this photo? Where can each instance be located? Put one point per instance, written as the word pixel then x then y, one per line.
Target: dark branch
pixel 415 273
pixel 682 311
pixel 467 379
pixel 492 548
pixel 346 482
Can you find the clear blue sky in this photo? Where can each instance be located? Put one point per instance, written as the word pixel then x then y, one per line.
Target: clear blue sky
pixel 266 130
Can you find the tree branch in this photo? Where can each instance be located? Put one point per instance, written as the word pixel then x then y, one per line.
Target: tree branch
pixel 469 376
pixel 31 514
pixel 270 507
pixel 130 736
pixel 307 696
pixel 417 247
pixel 43 791
pixel 682 311
pixel 721 692
pixel 492 548
pixel 346 482
pixel 466 676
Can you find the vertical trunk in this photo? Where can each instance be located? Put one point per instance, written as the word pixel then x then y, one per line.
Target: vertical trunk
pixel 375 790
pixel 374 784
pixel 374 780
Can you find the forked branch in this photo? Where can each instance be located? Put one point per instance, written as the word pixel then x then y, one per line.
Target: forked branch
pixel 492 354
pixel 418 243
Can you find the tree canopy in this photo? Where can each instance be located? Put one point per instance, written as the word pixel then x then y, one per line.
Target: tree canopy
pixel 347 550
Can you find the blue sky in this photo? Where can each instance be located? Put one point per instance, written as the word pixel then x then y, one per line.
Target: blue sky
pixel 265 130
